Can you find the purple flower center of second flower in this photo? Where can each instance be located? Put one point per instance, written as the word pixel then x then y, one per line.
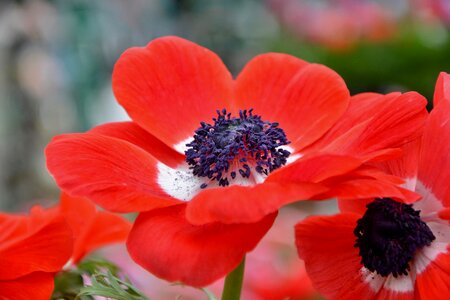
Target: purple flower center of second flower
pixel 236 146
pixel 388 236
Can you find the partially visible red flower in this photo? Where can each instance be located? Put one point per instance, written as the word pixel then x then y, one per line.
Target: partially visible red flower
pixel 384 249
pixel 371 129
pixel 273 270
pixel 207 191
pixel 91 228
pixel 32 249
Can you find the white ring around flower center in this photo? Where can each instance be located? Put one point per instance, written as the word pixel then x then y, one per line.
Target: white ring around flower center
pixel 429 205
pixel 182 184
pixel 181 146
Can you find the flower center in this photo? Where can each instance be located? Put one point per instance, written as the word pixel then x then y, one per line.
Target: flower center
pixel 388 235
pixel 234 147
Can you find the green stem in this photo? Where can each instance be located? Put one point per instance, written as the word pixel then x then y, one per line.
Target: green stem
pixel 233 283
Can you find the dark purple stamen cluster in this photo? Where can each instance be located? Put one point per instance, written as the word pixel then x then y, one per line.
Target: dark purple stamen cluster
pixel 388 236
pixel 236 140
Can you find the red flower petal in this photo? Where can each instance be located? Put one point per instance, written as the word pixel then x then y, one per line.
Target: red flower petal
pixel 45 245
pixel 434 282
pixel 332 263
pixel 306 99
pixel 367 182
pixel 92 229
pixel 131 132
pixel 445 214
pixel 164 243
pixel 36 286
pixel 244 204
pixel 369 188
pixel 442 89
pixel 254 88
pixel 12 227
pixel 390 294
pixel 293 286
pixel 361 107
pixel 434 164
pixel 171 85
pixel 115 174
pixel 315 168
pixel 357 206
pixel 406 166
pixel 373 123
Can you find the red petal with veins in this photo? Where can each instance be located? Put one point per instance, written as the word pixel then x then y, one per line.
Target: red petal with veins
pixel 171 85
pixel 40 242
pixel 131 132
pixel 36 286
pixel 306 99
pixel 92 229
pixel 167 245
pixel 114 173
pixel 241 204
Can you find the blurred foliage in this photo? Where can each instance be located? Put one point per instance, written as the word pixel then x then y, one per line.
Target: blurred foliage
pixel 98 277
pixel 108 285
pixel 91 278
pixel 411 61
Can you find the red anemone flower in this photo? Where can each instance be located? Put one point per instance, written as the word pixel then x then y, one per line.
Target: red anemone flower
pixel 32 249
pixel 208 160
pixel 91 229
pixel 383 249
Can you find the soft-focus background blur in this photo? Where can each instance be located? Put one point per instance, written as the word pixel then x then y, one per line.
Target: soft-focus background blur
pixel 56 58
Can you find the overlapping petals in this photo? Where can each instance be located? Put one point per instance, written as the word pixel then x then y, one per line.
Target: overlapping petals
pixel 375 125
pixel 37 285
pixel 133 133
pixel 326 244
pixel 260 200
pixel 116 174
pixel 442 90
pixel 434 169
pixel 32 249
pixel 306 99
pixel 91 229
pixel 189 253
pixel 172 85
pixel 332 261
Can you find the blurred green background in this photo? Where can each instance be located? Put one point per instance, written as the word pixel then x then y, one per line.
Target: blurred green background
pixel 56 58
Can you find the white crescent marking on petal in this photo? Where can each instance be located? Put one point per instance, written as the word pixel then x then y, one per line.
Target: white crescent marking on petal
pixel 181 146
pixel 293 157
pixel 401 284
pixel 182 184
pixel 179 183
pixel 429 203
pixel 410 183
pixel 374 280
pixel 428 254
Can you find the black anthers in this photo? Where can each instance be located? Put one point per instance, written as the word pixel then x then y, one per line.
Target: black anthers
pixel 236 145
pixel 388 236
